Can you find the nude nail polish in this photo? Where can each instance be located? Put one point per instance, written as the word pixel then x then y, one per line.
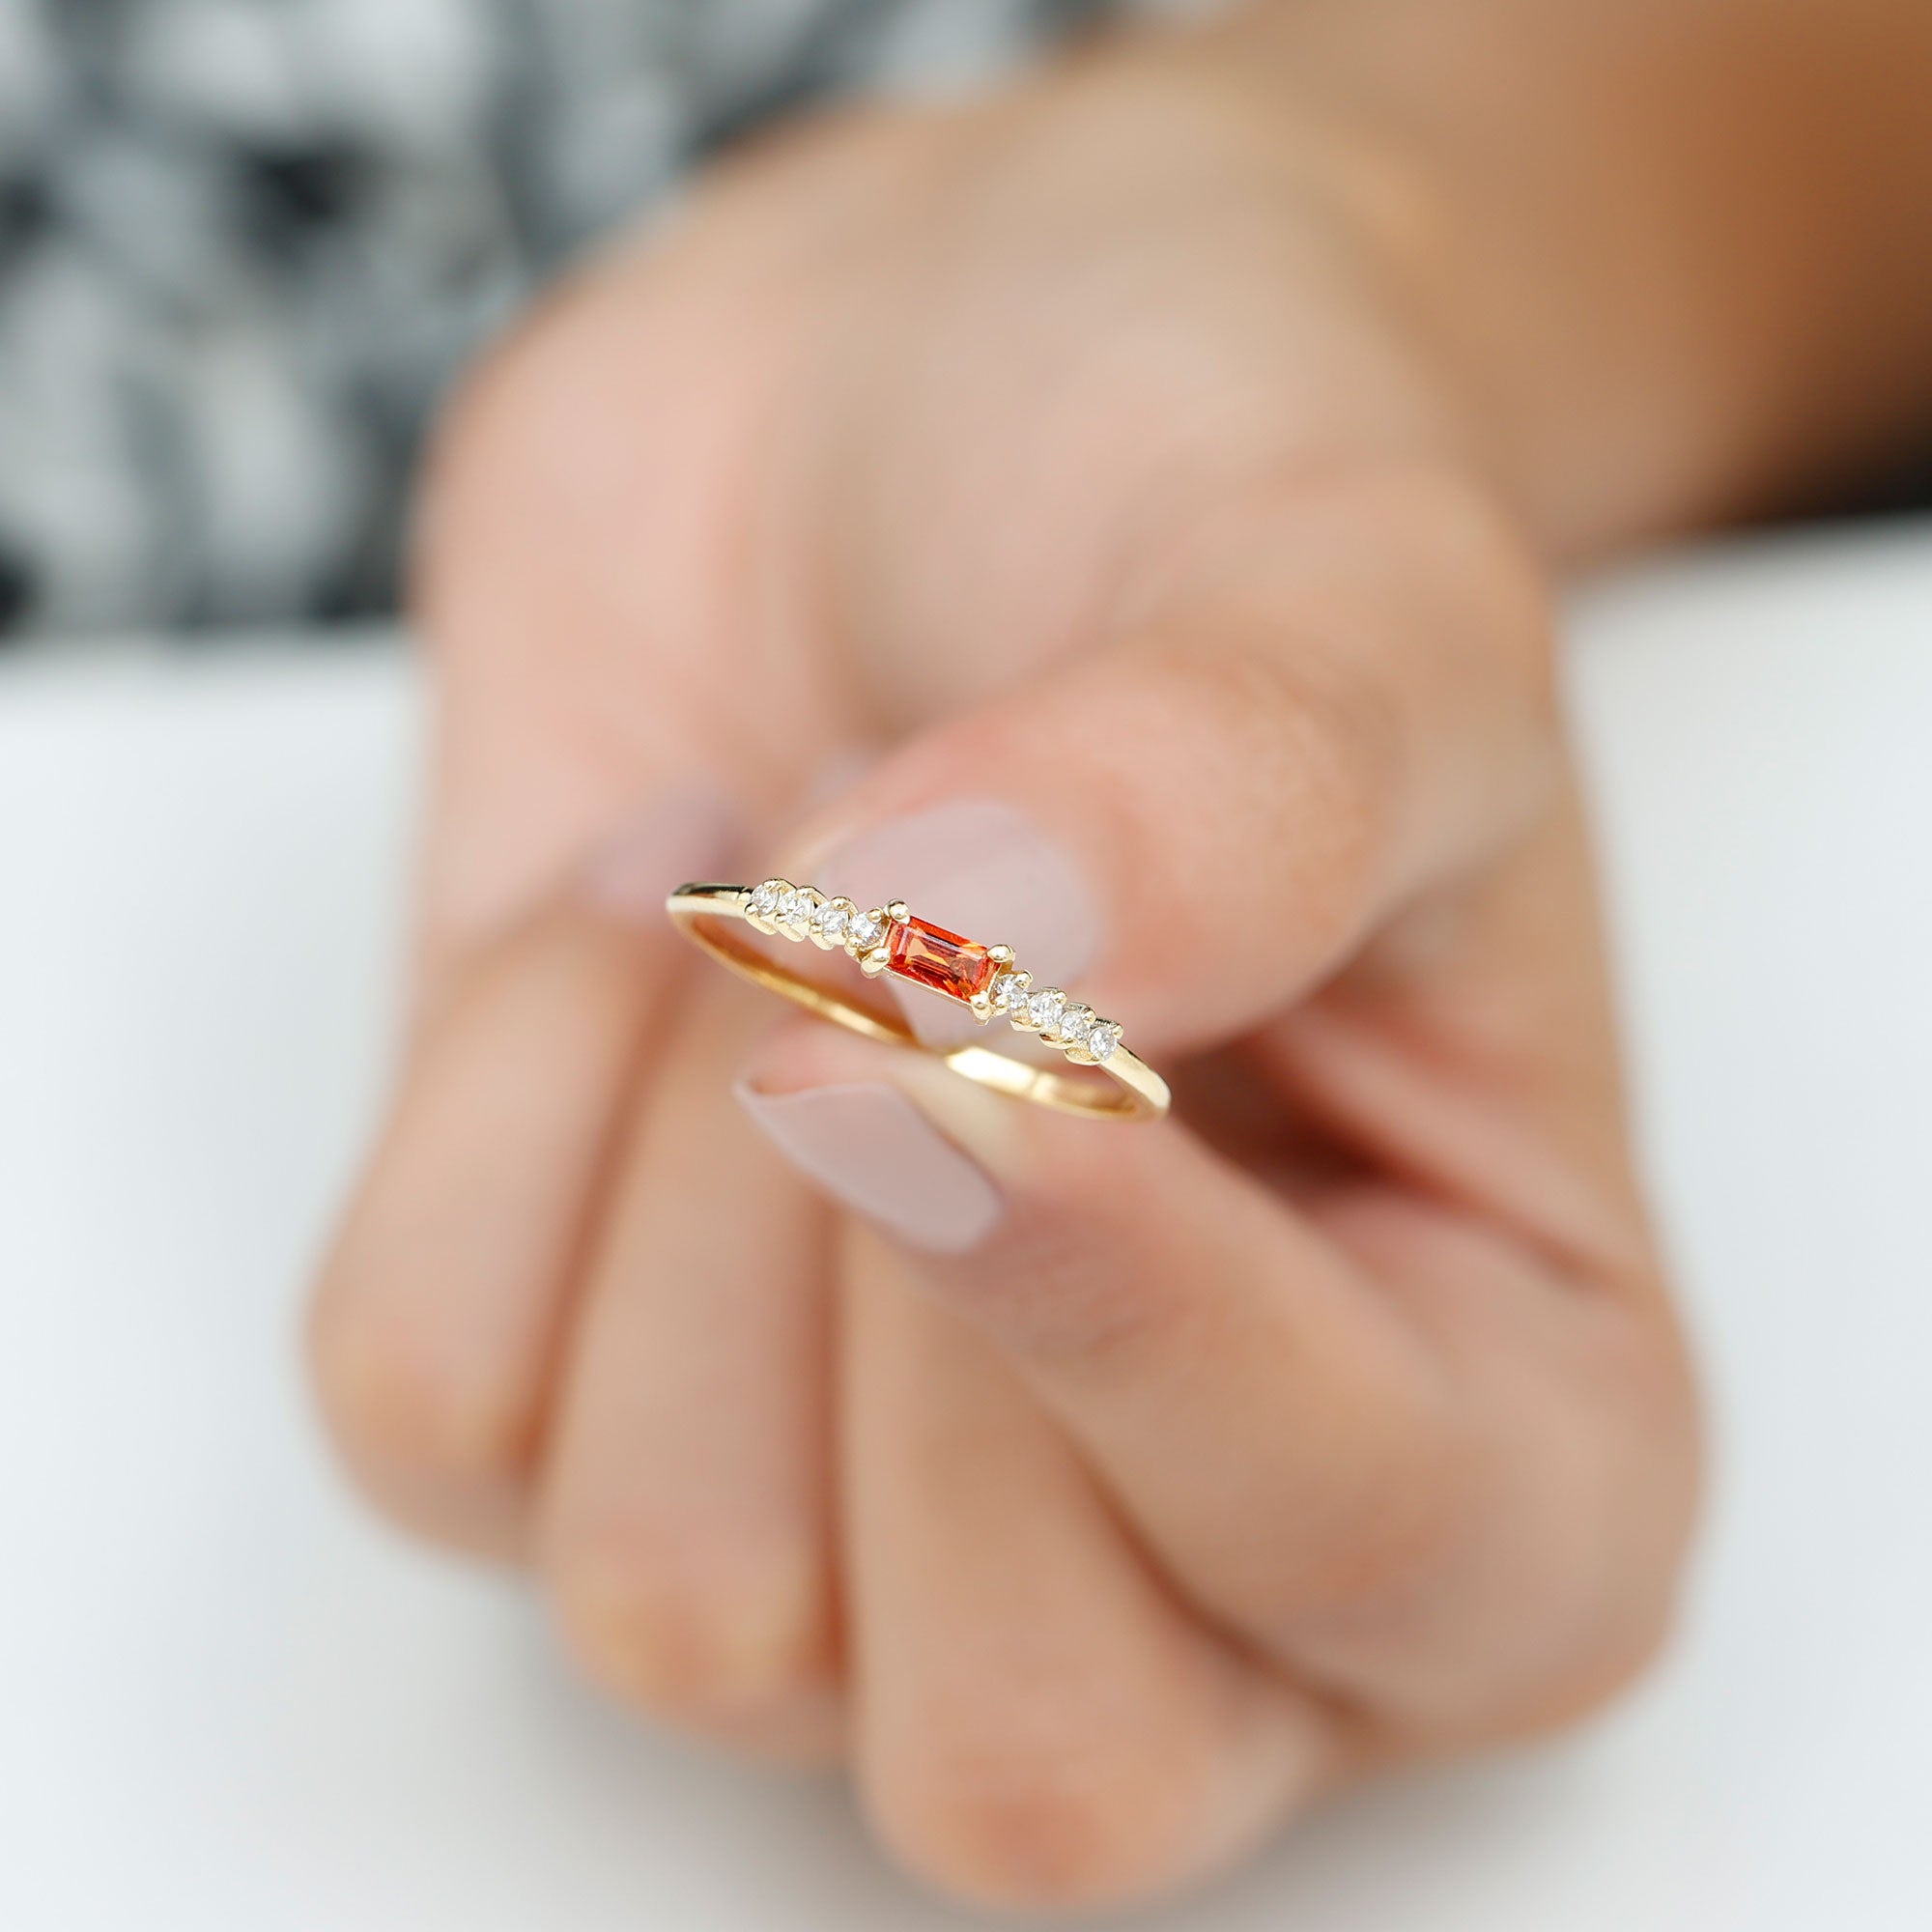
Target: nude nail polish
pixel 868 1146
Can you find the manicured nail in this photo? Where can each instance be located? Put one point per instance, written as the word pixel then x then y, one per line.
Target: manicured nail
pixel 872 1151
pixel 685 833
pixel 979 867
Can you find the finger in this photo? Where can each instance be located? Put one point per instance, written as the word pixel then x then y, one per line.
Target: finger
pixel 438 1313
pixel 1487 1068
pixel 686 1510
pixel 1323 1463
pixel 1339 703
pixel 598 566
pixel 1039 1725
pixel 1264 1421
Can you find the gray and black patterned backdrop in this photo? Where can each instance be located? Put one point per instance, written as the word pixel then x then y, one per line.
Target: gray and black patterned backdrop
pixel 243 244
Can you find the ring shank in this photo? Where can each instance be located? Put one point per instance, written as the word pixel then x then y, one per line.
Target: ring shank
pixel 1130 1091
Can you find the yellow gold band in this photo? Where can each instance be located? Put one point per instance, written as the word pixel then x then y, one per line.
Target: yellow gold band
pixel 987 980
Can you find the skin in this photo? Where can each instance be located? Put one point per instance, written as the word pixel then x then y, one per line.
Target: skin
pixel 1231 393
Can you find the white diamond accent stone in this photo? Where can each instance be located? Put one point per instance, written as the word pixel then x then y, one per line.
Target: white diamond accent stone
pixel 866 931
pixel 1076 1023
pixel 764 899
pixel 1102 1038
pixel 1008 992
pixel 1044 1009
pixel 830 920
pixel 791 906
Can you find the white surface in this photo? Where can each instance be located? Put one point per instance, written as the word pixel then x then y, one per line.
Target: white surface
pixel 228 1701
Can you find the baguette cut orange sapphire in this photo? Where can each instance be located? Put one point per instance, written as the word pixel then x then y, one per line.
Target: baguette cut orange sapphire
pixel 987 980
pixel 929 955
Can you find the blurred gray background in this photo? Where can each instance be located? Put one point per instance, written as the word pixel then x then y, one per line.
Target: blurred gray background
pixel 244 245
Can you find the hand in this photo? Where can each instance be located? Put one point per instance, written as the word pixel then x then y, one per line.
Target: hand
pixel 1057 497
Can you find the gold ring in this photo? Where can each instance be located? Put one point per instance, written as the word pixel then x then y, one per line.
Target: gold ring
pixel 986 979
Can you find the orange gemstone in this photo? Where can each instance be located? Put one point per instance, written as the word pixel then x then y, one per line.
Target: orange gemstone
pixel 931 957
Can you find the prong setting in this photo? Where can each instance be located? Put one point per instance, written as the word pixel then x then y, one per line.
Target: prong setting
pixel 797 916
pixel 761 904
pixel 779 908
pixel 865 930
pixel 831 922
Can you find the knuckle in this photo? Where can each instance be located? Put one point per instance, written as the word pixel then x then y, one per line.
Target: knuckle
pixel 1607 1670
pixel 718 1646
pixel 407 1415
pixel 509 431
pixel 1395 1552
pixel 1067 1295
pixel 538 485
pixel 1405 1525
pixel 1061 1306
pixel 1605 1649
pixel 555 354
pixel 1491 590
pixel 1303 739
pixel 1621 1595
pixel 1033 1827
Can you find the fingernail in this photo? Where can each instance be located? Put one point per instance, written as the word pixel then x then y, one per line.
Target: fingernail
pixel 684 834
pixel 978 867
pixel 872 1151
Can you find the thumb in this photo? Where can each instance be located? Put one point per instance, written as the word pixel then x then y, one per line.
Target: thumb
pixel 1336 704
